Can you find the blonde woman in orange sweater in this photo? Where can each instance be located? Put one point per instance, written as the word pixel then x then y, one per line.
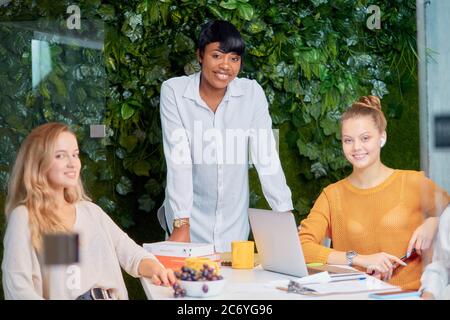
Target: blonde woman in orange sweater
pixel 377 214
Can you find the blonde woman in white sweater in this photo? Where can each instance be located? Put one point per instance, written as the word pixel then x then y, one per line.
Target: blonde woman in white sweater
pixel 45 195
pixel 436 277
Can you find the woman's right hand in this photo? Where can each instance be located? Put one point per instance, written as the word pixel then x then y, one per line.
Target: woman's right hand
pixel 379 264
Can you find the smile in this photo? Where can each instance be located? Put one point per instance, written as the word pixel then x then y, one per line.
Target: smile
pixel 222 76
pixel 71 174
pixel 359 156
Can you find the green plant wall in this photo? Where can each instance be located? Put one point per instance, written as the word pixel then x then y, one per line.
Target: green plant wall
pixel 312 57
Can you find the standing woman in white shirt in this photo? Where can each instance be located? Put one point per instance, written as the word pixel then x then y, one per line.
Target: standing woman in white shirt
pixel 46 195
pixel 210 121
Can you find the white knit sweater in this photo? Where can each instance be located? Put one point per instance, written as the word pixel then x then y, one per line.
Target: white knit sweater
pixel 104 249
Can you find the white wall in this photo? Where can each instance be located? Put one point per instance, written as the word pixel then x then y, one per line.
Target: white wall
pixel 433 36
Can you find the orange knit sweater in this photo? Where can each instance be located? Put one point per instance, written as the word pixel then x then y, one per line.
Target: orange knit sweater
pixel 378 219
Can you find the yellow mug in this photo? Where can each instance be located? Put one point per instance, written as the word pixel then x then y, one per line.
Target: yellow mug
pixel 242 254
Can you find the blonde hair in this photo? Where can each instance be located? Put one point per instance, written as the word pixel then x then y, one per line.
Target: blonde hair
pixel 28 184
pixel 367 106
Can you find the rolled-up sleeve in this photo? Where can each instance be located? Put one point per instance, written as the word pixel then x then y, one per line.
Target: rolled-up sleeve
pixel 179 192
pixel 433 199
pixel 265 156
pixel 314 229
pixel 128 252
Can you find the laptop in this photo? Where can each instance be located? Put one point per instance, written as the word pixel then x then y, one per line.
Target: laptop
pixel 278 244
pixel 277 241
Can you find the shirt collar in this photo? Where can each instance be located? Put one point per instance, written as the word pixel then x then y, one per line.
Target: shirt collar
pixel 193 89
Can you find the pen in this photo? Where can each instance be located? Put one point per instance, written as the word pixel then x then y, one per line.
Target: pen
pixel 345 275
pixel 305 284
pixel 314 264
pixel 339 280
pixel 406 256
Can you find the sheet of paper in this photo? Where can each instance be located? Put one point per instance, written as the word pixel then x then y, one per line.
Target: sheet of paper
pixel 369 284
pixel 322 277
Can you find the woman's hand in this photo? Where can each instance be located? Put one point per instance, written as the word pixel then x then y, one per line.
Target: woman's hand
pixel 423 237
pixel 380 265
pixel 156 272
pixel 427 296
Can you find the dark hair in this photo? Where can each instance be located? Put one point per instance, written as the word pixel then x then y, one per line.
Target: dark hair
pixel 367 106
pixel 223 32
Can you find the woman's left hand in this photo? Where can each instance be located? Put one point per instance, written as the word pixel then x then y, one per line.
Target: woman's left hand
pixel 423 237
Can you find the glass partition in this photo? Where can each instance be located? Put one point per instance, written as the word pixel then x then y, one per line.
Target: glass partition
pixel 49 72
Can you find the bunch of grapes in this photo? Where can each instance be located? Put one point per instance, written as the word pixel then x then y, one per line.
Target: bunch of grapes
pixel 178 290
pixel 189 274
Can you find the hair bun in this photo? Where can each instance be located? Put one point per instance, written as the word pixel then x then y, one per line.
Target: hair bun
pixel 370 102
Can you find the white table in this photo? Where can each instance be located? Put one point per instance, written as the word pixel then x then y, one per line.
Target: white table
pixel 255 284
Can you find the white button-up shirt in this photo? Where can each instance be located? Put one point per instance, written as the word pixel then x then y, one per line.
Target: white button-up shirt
pixel 436 277
pixel 207 157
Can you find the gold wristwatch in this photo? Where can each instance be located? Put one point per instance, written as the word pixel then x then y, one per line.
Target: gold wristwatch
pixel 177 223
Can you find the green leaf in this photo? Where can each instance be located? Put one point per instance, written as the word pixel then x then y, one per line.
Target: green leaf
pixel 229 4
pixel 176 16
pixel 106 174
pixel 330 124
pixel 43 90
pixel 121 153
pixel 254 199
pixel 111 63
pixel 125 186
pixel 256 26
pixel 309 150
pixel 259 51
pixel 146 203
pixel 154 75
pixel 144 6
pixel 217 12
pixel 317 3
pixel 303 206
pixel 59 84
pixel 81 95
pixel 128 142
pixel 318 170
pixel 245 11
pixel 4 178
pixel 125 220
pixel 141 168
pixel 183 43
pixel 315 110
pixel 107 204
pixel 279 116
pixel 107 12
pixel 292 85
pixel 153 187
pixel 132 28
pixel 126 111
pixel 379 88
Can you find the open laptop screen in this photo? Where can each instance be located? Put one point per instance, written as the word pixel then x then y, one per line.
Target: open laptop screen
pixel 277 241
